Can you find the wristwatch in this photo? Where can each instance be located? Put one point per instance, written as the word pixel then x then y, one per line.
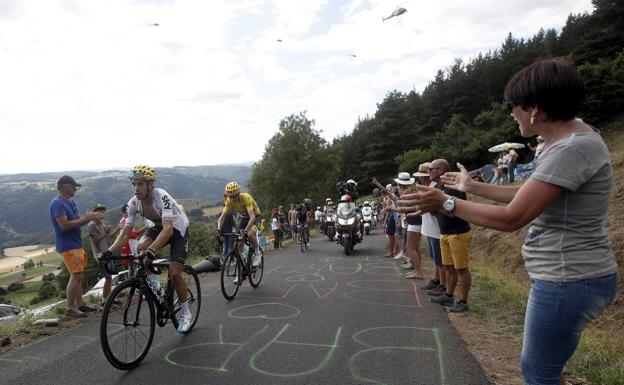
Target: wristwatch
pixel 449 205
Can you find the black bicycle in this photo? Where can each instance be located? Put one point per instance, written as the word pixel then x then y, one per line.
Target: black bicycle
pixel 234 270
pixel 304 237
pixel 135 306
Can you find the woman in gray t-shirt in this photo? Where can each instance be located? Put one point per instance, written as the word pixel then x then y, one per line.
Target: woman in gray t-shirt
pixel 567 252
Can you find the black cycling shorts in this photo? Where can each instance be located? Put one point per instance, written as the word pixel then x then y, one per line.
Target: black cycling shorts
pixel 245 221
pixel 178 242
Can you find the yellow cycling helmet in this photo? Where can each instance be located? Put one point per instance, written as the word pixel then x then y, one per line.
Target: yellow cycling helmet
pixel 143 172
pixel 232 189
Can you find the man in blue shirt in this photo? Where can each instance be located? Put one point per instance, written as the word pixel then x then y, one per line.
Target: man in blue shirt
pixel 66 221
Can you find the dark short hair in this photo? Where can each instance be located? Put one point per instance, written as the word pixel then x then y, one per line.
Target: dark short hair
pixel 553 85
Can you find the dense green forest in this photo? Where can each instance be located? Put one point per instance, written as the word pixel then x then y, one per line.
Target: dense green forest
pixel 458 116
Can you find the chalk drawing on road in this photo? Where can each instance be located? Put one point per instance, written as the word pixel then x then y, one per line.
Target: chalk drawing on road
pixel 370 288
pixel 390 343
pixel 196 352
pixel 308 273
pixel 278 269
pixel 266 310
pixel 345 269
pixel 274 347
pixel 327 291
pixel 381 268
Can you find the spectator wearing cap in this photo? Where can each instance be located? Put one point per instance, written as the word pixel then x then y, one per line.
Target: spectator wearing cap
pixel 100 239
pixel 430 176
pixel 411 231
pixel 67 221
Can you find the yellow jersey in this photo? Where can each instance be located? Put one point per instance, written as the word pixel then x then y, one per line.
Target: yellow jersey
pixel 243 204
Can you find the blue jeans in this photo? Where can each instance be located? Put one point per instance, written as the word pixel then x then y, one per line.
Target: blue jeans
pixel 433 244
pixel 556 314
pixel 228 244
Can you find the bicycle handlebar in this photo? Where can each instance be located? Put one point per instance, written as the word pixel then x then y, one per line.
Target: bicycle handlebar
pixel 135 260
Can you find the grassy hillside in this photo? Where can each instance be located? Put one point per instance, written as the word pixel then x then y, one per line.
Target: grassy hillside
pixel 501 283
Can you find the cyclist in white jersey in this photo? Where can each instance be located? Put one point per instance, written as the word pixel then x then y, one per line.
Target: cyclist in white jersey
pixel 168 226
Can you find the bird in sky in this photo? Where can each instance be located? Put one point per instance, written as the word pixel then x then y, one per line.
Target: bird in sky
pixel 353 55
pixel 153 25
pixel 397 12
pixel 278 40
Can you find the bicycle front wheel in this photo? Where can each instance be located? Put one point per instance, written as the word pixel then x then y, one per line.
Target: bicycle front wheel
pixel 257 272
pixel 302 240
pixel 193 297
pixel 127 325
pixel 230 275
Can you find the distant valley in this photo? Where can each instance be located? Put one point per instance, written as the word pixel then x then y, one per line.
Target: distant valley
pixel 25 198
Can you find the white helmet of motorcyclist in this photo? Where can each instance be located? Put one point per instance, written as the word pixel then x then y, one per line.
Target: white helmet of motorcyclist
pixel 366 203
pixel 327 199
pixel 351 181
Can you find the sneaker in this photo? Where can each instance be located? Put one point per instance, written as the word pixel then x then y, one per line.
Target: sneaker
pixel 235 280
pixel 86 308
pixel 430 285
pixel 184 323
pixel 74 313
pixel 408 266
pixel 442 300
pixel 401 256
pixel 257 259
pixel 459 307
pixel 436 291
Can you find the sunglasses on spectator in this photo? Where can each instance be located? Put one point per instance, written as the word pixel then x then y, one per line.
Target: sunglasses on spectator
pixel 433 168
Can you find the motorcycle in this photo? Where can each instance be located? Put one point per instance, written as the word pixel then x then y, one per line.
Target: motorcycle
pixel 348 226
pixel 367 219
pixel 330 225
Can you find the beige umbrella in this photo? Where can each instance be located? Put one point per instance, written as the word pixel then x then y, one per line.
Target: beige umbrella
pixel 505 146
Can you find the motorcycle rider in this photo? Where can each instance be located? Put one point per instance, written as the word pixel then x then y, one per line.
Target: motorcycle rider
pixel 348 188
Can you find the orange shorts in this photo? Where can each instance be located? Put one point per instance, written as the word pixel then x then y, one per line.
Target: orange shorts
pixel 75 260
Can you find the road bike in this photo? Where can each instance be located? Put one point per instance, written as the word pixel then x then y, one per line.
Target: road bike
pixel 135 306
pixel 304 237
pixel 235 270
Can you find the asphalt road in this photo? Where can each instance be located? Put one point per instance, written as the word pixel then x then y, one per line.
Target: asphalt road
pixel 318 317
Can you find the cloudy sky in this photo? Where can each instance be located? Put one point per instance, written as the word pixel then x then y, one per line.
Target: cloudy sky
pixel 103 84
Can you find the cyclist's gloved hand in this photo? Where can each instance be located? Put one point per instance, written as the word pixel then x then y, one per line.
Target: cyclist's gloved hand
pixel 150 254
pixel 106 254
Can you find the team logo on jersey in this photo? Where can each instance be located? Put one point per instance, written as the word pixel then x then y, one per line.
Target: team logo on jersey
pixel 166 202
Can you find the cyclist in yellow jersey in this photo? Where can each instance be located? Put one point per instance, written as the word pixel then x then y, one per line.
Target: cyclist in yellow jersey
pixel 248 208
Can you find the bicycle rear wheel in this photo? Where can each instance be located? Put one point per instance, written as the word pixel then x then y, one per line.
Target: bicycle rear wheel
pixel 231 275
pixel 127 325
pixel 257 272
pixel 193 298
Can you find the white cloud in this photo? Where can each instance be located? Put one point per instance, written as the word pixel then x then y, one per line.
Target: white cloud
pixel 97 84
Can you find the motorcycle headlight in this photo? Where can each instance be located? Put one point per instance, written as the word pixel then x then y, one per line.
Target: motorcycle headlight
pixel 346 222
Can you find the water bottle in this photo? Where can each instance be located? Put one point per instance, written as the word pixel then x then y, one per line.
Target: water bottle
pixel 154 284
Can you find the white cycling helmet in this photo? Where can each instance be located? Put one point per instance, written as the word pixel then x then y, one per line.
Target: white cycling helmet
pixel 351 181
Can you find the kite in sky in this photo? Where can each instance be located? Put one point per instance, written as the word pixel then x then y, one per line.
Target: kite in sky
pixel 397 12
